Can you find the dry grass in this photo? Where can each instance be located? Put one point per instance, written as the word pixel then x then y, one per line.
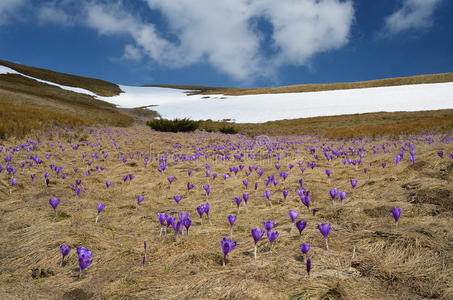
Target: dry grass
pixel 419 79
pixel 21 120
pixel 346 126
pixel 97 86
pixel 26 105
pixel 367 259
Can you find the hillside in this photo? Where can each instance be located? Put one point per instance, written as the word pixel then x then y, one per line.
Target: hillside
pixel 300 88
pixel 30 102
pixel 97 86
pixel 27 104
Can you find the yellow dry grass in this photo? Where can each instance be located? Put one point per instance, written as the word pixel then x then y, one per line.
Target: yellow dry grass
pixel 418 79
pixel 367 259
pixel 27 105
pixel 348 126
pixel 97 86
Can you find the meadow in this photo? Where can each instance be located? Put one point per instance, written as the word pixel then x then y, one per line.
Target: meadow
pixel 138 173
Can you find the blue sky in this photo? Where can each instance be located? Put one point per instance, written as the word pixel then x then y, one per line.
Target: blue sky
pixel 235 43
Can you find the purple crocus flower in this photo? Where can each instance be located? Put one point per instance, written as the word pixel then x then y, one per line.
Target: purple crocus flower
pixel 131 177
pixel 207 190
pixel 301 226
pixel 245 183
pixel 187 222
pixel 245 196
pixel 170 179
pixel 257 234
pixel 305 201
pixel 301 182
pixel 304 248
pixel 227 247
pixel 207 207
pixel 333 194
pixel 328 172
pixel 267 194
pixel 308 266
pixel 384 165
pixel 84 259
pixel 13 183
pixel 177 198
pixel 353 183
pixel 125 177
pixel 441 154
pixel 342 196
pixel 108 184
pixel 324 229
pixel 140 199
pixel 144 255
pixel 162 219
pixel 231 220
pixel 100 207
pixel 200 210
pixel 190 186
pixel 293 215
pixel 272 236
pixel 189 172
pixel 64 252
pixel 54 203
pixel 238 201
pixel 396 213
pixel 268 225
pixel 177 227
pixel 285 194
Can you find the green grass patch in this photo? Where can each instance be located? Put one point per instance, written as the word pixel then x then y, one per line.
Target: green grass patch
pixel 175 125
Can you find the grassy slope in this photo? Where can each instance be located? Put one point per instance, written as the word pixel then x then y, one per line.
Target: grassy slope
pixel 28 94
pixel 419 79
pixel 356 125
pixel 367 259
pixel 97 86
pixel 27 104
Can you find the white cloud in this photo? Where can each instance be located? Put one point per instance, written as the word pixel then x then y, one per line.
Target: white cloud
pixel 414 14
pixel 9 9
pixel 53 12
pixel 222 33
pixel 304 28
pixel 132 53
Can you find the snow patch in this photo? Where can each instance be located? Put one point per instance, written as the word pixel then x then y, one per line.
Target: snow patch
pixel 174 103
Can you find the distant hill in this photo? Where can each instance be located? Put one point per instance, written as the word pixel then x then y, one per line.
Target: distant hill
pixel 300 88
pixel 28 105
pixel 97 86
